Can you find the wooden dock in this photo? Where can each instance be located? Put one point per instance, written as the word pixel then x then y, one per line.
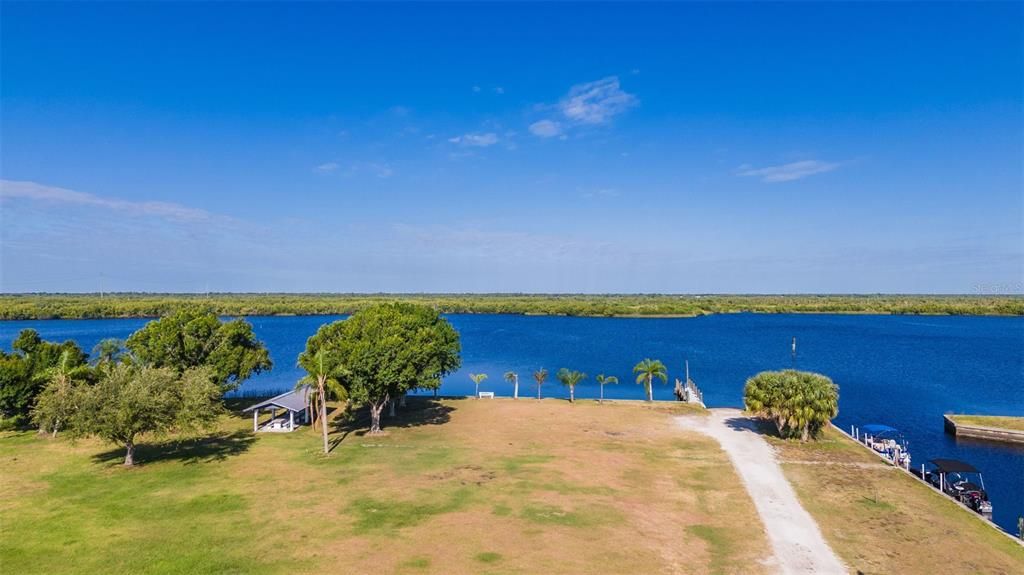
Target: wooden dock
pixel 981 431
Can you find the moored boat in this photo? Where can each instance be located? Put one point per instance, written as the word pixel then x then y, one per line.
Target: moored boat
pixel 959 480
pixel 886 441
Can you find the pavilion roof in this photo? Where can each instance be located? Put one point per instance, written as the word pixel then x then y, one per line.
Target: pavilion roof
pixel 295 400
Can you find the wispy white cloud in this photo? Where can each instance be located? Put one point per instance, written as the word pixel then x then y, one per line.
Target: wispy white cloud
pixel 379 169
pixel 499 90
pixel 546 128
pixel 476 140
pixel 589 104
pixel 787 172
pixel 10 189
pixel 596 102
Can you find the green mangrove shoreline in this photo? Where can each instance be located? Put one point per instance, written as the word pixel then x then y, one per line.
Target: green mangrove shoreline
pixel 145 305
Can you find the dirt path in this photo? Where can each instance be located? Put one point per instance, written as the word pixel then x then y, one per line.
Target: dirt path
pixel 794 536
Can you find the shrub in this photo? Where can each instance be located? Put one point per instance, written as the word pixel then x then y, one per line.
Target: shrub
pixel 799 403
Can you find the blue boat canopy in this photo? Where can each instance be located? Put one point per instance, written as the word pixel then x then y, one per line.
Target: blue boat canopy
pixel 878 429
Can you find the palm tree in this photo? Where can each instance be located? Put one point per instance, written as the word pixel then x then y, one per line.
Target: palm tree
pixel 539 376
pixel 108 351
pixel 799 403
pixel 57 402
pixel 478 378
pixel 325 379
pixel 646 371
pixel 571 379
pixel 513 378
pixel 602 379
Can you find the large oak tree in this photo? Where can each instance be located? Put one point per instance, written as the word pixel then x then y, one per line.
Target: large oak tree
pixel 131 400
pixel 192 337
pixel 387 350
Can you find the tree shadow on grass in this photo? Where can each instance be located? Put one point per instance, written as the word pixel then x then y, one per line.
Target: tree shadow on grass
pixel 751 425
pixel 235 405
pixel 417 412
pixel 217 447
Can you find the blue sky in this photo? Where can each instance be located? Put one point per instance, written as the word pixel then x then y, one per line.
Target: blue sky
pixel 759 148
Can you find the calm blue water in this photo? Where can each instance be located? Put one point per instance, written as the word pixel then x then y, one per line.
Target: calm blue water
pixel 901 371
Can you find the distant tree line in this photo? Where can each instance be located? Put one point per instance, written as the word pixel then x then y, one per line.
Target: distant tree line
pixel 123 305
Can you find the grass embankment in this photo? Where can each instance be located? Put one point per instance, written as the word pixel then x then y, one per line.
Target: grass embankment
pixel 880 520
pixel 76 306
pixel 994 421
pixel 456 486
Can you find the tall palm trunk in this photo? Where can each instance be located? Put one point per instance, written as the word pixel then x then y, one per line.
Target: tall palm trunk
pixel 602 394
pixel 650 387
pixel 572 394
pixel 322 397
pixel 515 390
pixel 313 409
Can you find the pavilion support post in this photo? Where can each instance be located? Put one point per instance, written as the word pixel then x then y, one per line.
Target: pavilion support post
pixel 291 420
pixel 255 420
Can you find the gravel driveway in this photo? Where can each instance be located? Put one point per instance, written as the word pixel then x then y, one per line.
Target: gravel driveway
pixel 795 538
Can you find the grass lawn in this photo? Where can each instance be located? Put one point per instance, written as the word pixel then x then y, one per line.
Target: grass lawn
pixel 996 421
pixel 463 486
pixel 455 486
pixel 882 521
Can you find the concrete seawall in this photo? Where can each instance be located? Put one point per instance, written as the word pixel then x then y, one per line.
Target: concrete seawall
pixel 981 432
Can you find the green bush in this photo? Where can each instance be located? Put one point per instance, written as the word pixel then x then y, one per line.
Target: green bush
pixel 799 403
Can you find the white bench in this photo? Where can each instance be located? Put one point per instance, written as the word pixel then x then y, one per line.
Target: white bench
pixel 487 394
